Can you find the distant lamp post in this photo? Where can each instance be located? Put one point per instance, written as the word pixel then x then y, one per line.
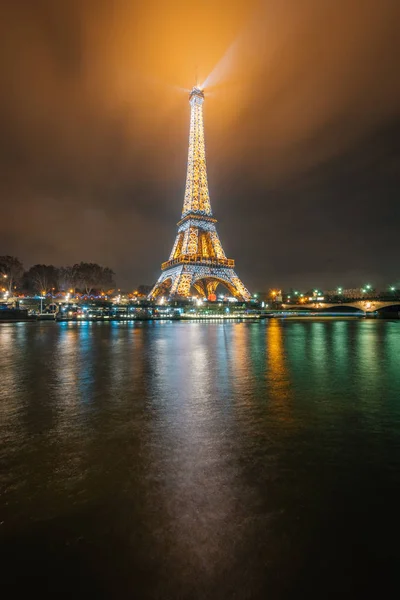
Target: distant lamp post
pixel 368 287
pixel 340 290
pixel 43 294
pixel 392 288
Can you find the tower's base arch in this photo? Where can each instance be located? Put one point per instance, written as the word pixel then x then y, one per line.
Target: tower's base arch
pixel 178 281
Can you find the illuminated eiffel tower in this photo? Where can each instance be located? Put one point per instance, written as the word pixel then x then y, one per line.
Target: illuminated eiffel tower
pixel 197 258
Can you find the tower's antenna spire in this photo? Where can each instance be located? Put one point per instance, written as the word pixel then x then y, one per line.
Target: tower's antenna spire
pixel 197 197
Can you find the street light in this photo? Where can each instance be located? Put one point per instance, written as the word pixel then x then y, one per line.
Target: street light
pixel 43 293
pixel 340 290
pixel 392 288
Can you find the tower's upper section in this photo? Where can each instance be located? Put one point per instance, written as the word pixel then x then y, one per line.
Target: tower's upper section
pixel 196 96
pixel 197 198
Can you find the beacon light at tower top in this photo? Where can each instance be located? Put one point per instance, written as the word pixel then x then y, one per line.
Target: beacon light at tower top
pixel 197 260
pixel 196 92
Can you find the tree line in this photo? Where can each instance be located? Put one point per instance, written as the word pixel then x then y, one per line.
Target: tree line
pixel 82 277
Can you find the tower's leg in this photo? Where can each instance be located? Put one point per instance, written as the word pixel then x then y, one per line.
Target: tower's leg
pixel 177 281
pixel 242 292
pixel 162 283
pixel 199 286
pixel 183 284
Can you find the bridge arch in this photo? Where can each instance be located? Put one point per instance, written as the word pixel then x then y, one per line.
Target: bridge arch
pixel 395 307
pixel 342 308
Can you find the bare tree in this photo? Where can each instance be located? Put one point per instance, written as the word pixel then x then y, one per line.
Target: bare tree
pixel 42 278
pixel 91 276
pixel 107 279
pixel 11 271
pixel 68 277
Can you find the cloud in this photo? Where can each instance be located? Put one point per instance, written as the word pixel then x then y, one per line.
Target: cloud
pixel 301 113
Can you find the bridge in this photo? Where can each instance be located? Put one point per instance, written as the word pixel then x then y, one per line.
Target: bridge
pixel 365 305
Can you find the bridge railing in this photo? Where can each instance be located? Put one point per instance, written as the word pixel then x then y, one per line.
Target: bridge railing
pixel 394 298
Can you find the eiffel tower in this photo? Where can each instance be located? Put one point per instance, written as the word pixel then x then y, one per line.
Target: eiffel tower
pixel 197 258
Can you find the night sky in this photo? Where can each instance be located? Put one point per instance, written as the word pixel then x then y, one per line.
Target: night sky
pixel 302 123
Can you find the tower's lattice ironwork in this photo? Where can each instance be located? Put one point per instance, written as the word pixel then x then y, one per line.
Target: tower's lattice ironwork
pixel 197 258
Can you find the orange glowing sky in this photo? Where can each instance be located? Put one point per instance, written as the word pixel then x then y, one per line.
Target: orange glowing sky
pixel 301 121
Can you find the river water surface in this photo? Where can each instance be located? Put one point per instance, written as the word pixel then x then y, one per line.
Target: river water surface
pixel 200 460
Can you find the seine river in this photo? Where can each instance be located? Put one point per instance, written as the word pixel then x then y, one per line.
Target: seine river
pixel 195 460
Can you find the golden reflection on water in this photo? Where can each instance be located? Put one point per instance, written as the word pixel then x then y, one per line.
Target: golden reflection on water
pixel 241 365
pixel 277 373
